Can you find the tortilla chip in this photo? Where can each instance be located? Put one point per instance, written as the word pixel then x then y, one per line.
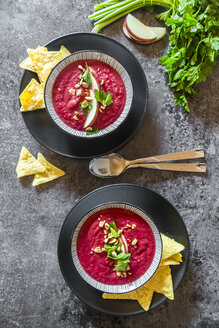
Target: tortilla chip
pixel 169 261
pixel 126 296
pixel 51 173
pixel 28 64
pixel 170 247
pixel 64 51
pixel 32 97
pixel 145 297
pixel 44 61
pixel 177 257
pixel 28 164
pixel 161 282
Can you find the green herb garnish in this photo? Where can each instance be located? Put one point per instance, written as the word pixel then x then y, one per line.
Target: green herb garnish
pixel 87 109
pixel 121 257
pixel 86 76
pixel 109 249
pixel 94 131
pixel 122 265
pixel 113 230
pixel 104 98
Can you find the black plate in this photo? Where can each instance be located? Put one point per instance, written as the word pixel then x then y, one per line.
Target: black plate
pixel 165 217
pixel 50 135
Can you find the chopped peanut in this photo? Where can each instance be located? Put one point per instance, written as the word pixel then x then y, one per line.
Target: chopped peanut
pixel 107 225
pixel 72 91
pixel 85 85
pixel 101 224
pixel 133 226
pixel 77 86
pixel 134 242
pixel 79 92
pixel 114 254
pixel 110 235
pixel 84 104
pixel 112 241
pixel 98 249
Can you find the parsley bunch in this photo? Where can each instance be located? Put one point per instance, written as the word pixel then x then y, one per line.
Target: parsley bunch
pixel 194 45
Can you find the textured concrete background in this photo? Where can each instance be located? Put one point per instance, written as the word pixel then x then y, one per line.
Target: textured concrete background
pixel 33 292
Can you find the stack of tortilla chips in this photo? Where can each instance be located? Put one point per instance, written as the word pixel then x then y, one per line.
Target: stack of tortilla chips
pixel 40 61
pixel 161 282
pixel 43 170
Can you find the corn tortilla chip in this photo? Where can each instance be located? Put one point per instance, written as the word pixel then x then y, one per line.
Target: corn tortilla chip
pixel 127 296
pixel 177 257
pixel 161 282
pixel 28 164
pixel 170 247
pixel 44 61
pixel 64 51
pixel 169 261
pixel 32 97
pixel 51 173
pixel 145 297
pixel 28 64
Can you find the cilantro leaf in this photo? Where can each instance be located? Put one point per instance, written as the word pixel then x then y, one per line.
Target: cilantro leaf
pixel 122 265
pixel 113 230
pixel 108 99
pixel 86 76
pixel 109 249
pixel 94 131
pixel 103 98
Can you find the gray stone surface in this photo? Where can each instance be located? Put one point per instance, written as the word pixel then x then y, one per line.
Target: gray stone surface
pixel 33 292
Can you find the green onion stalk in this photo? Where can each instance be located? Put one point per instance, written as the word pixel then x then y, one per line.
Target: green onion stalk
pixel 109 11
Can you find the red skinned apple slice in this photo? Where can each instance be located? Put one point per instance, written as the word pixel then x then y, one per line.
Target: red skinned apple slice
pixel 124 244
pixel 138 30
pixel 92 115
pixel 126 32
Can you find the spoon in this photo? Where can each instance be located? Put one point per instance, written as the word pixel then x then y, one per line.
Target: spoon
pixel 114 164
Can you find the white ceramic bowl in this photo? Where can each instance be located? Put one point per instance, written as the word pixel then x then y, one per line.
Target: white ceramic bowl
pixel 85 55
pixel 129 286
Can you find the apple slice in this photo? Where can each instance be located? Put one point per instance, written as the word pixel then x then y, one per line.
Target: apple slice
pixel 94 81
pixel 125 31
pixel 138 30
pixel 159 32
pixel 124 244
pixel 92 115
